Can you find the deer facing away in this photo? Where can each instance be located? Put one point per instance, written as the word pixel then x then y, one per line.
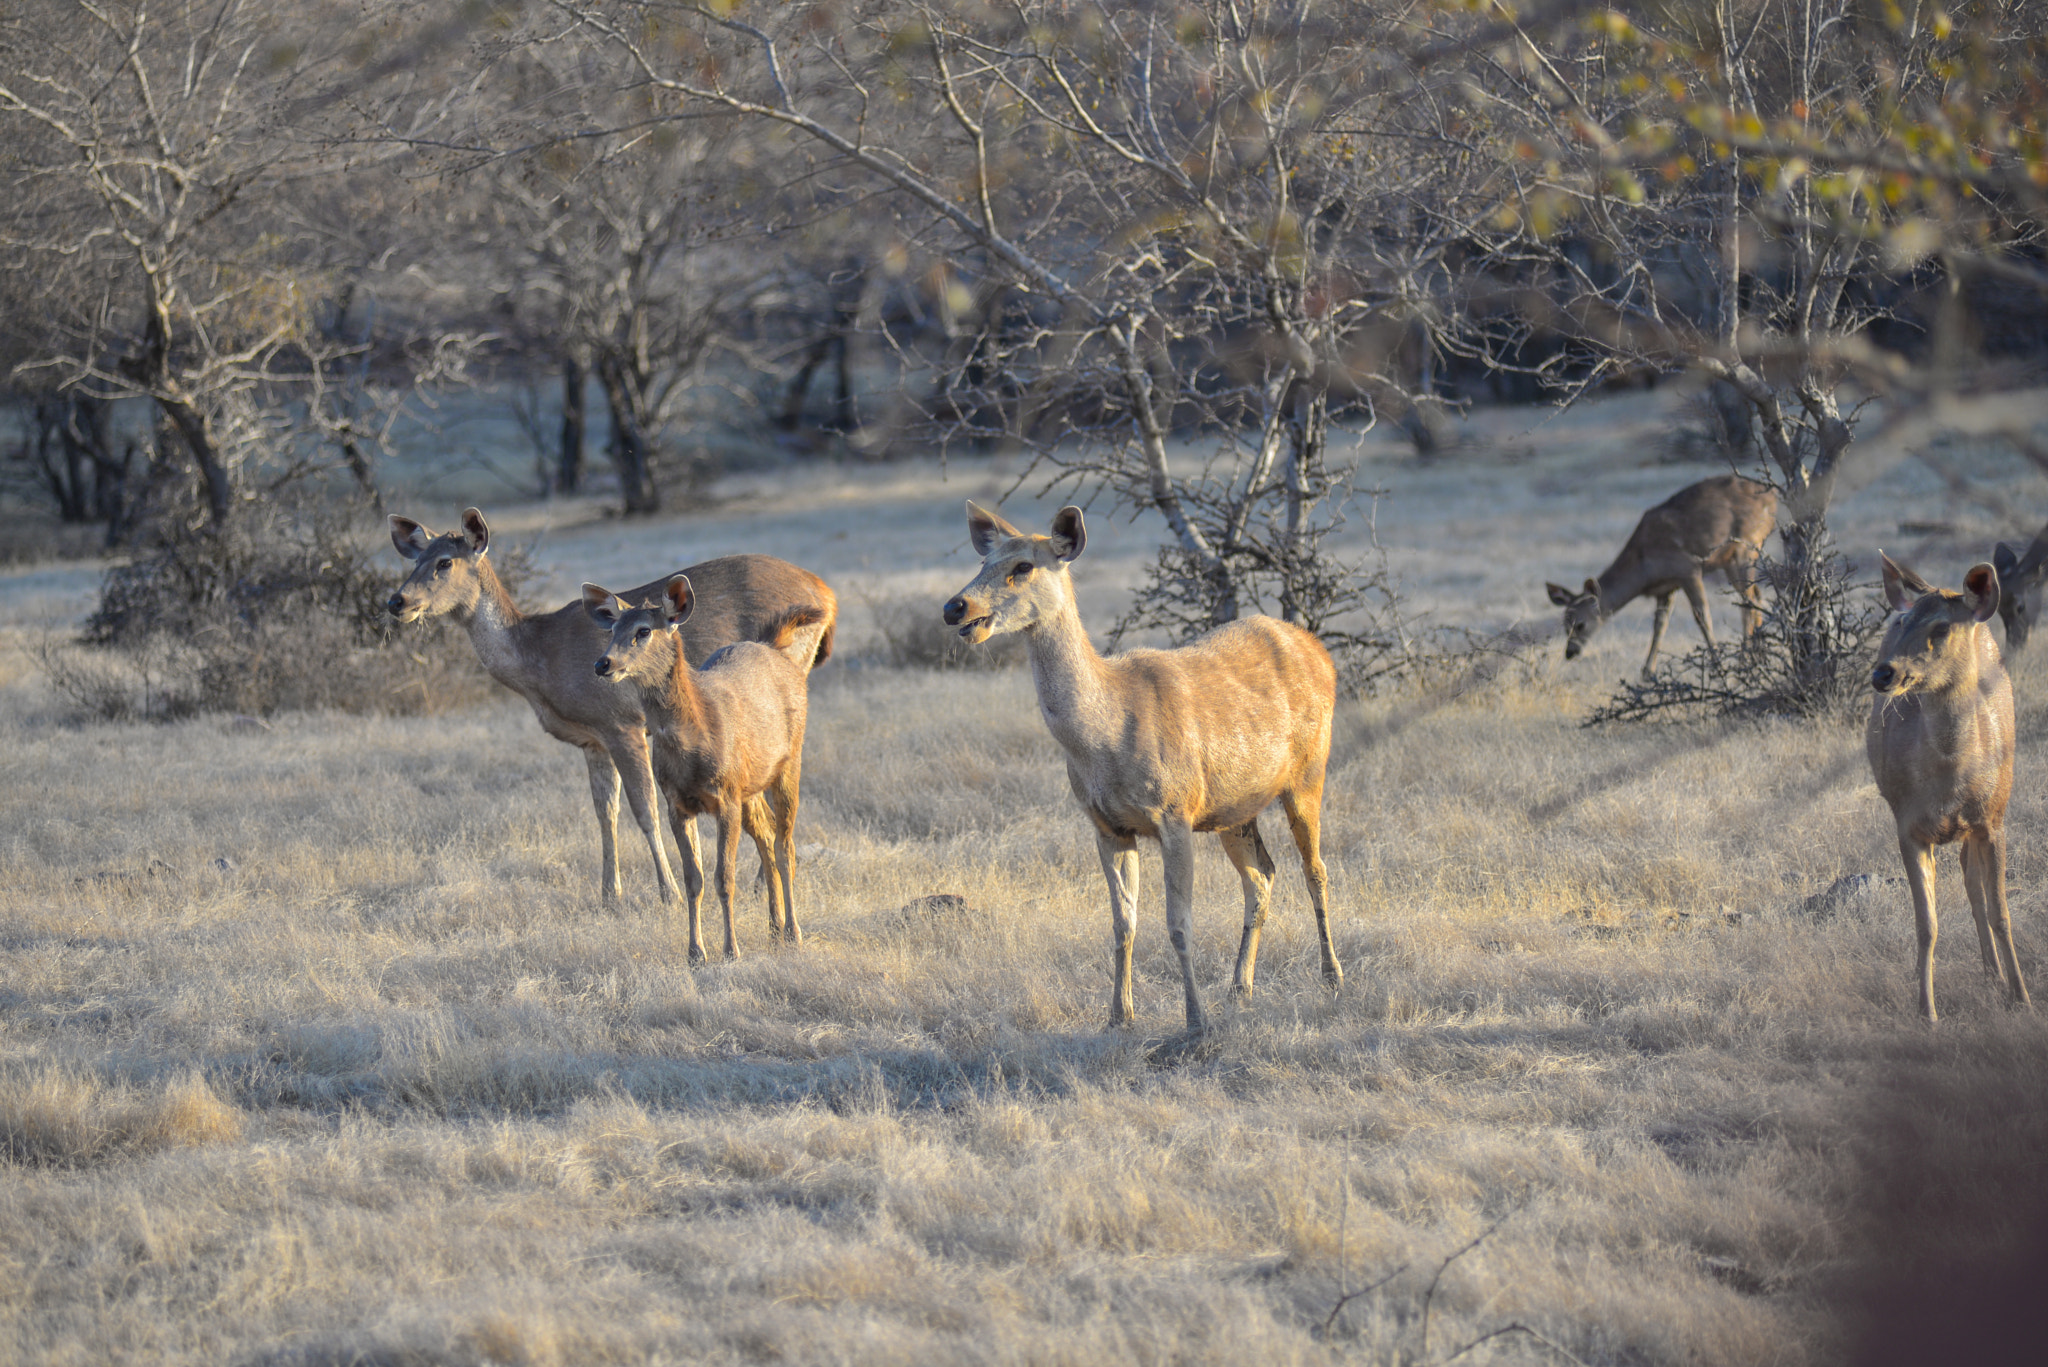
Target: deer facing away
pixel 545 658
pixel 1717 524
pixel 721 736
pixel 2020 577
pixel 1165 743
pixel 1940 742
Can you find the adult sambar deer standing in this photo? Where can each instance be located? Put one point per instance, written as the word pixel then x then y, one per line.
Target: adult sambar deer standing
pixel 1717 524
pixel 545 659
pixel 1940 741
pixel 721 736
pixel 1164 743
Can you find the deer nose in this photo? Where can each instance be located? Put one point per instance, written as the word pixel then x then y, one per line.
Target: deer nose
pixel 604 666
pixel 1571 650
pixel 956 610
pixel 395 604
pixel 1882 678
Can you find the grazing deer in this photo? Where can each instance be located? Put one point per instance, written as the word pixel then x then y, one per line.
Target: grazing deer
pixel 1164 743
pixel 2019 587
pixel 1717 524
pixel 721 735
pixel 545 658
pixel 1940 741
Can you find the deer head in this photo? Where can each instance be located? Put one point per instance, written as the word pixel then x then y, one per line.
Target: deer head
pixel 1023 578
pixel 635 650
pixel 1934 641
pixel 2020 578
pixel 1582 615
pixel 444 577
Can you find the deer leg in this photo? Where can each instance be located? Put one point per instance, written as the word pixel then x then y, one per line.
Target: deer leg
pixel 1920 875
pixel 1657 625
pixel 1255 869
pixel 604 796
pixel 1742 578
pixel 1177 851
pixel 1696 598
pixel 729 820
pixel 1304 808
pixel 1119 856
pixel 692 851
pixel 783 798
pixel 1973 884
pixel 637 774
pixel 1991 877
pixel 760 828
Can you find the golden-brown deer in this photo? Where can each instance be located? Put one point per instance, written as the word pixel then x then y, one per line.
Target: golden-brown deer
pixel 545 658
pixel 720 736
pixel 2020 577
pixel 1165 743
pixel 1717 524
pixel 1940 741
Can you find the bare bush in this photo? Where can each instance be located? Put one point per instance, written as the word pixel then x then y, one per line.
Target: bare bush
pixel 914 636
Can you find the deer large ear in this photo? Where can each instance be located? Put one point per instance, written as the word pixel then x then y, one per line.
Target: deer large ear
pixel 1902 587
pixel 1069 533
pixel 479 532
pixel 681 599
pixel 1559 594
pixel 601 606
pixel 2005 559
pixel 1980 591
pixel 985 528
pixel 409 537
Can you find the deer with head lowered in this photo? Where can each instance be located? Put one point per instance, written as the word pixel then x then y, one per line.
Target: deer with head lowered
pixel 1165 743
pixel 1940 742
pixel 721 736
pixel 2020 577
pixel 545 658
pixel 1717 524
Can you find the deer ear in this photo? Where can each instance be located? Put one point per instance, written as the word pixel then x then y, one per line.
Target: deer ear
pixel 600 606
pixel 1901 586
pixel 2006 559
pixel 1980 591
pixel 479 532
pixel 1559 594
pixel 985 528
pixel 1592 589
pixel 1069 533
pixel 409 537
pixel 681 599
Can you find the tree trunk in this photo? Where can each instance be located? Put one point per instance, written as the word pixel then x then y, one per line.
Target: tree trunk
pixel 631 451
pixel 569 458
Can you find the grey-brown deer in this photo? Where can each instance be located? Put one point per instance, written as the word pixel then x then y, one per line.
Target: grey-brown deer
pixel 545 658
pixel 2020 577
pixel 721 736
pixel 1165 743
pixel 1717 524
pixel 1940 741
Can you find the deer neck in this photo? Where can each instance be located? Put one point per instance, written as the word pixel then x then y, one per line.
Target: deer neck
pixel 1621 583
pixel 674 700
pixel 493 621
pixel 1072 680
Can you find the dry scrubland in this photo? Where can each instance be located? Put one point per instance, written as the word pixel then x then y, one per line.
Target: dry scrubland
pixel 395 1088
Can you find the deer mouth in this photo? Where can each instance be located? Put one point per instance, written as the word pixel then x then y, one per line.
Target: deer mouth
pixel 975 631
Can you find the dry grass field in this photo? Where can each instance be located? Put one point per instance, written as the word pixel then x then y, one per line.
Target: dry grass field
pixel 317 1047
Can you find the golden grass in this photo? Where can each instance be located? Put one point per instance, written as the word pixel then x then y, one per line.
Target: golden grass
pixel 395 1087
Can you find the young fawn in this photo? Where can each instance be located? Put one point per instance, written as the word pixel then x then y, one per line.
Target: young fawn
pixel 719 735
pixel 1164 743
pixel 1940 741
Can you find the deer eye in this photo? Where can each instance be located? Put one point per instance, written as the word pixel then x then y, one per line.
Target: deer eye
pixel 442 568
pixel 1938 633
pixel 1021 572
pixel 643 633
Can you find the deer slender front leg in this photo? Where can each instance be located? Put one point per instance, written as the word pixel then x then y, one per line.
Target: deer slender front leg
pixel 1658 622
pixel 637 774
pixel 1696 597
pixel 1119 855
pixel 728 872
pixel 692 851
pixel 1177 852
pixel 1920 876
pixel 1973 885
pixel 1991 866
pixel 1255 871
pixel 604 796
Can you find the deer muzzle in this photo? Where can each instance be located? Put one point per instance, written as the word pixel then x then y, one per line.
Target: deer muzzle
pixel 1883 678
pixel 956 610
pixel 604 666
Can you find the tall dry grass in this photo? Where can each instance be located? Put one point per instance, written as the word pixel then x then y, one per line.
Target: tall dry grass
pixel 317 1047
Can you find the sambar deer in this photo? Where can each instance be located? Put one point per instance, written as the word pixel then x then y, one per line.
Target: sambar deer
pixel 545 659
pixel 721 735
pixel 1940 742
pixel 1716 524
pixel 2020 577
pixel 1165 743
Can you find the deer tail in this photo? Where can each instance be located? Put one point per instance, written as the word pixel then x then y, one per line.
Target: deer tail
pixel 782 629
